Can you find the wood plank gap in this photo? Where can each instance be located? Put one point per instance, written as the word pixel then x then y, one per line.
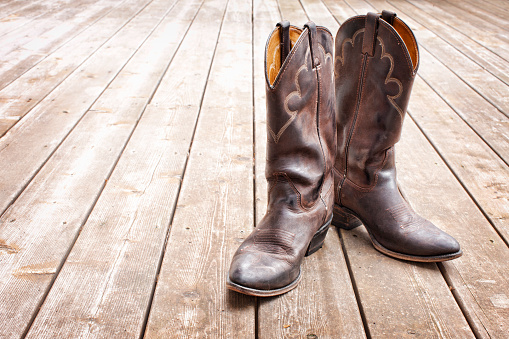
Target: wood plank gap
pixel 53 271
pixel 47 290
pixel 354 284
pixel 472 127
pixel 10 74
pixel 24 104
pixel 451 169
pixel 101 189
pixel 175 202
pixel 21 184
pixel 465 12
pixel 465 35
pixel 488 9
pixel 192 281
pixel 492 63
pixel 460 301
pixel 327 5
pixel 16 14
pixel 279 10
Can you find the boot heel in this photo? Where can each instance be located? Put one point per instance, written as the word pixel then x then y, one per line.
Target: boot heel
pixel 343 219
pixel 317 241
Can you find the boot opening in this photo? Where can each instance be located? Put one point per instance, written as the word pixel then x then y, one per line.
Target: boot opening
pixel 408 38
pixel 273 57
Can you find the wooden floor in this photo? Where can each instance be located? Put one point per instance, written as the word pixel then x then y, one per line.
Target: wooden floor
pixel 132 149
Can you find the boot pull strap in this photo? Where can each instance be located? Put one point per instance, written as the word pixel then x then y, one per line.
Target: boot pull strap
pixel 284 39
pixel 388 16
pixel 370 33
pixel 313 44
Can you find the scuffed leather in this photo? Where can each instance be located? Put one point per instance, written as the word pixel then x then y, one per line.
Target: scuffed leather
pixel 301 144
pixel 372 93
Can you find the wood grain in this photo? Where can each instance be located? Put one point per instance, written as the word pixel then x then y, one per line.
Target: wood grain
pixel 470 26
pixel 15 14
pixel 478 279
pixel 59 199
pixel 483 174
pixel 19 97
pixel 215 205
pixel 102 276
pixel 27 146
pixel 21 49
pixel 132 158
pixel 484 57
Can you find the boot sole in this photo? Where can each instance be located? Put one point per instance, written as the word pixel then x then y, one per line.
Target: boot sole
pixel 408 257
pixel 262 293
pixel 314 245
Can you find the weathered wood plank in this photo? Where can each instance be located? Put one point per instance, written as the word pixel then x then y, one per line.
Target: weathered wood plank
pixel 470 27
pixel 488 122
pixel 45 220
pixel 481 171
pixel 475 51
pixel 478 279
pixel 23 48
pixel 320 14
pixel 19 97
pixel 292 11
pixel 339 10
pixel 15 14
pixel 469 10
pixel 481 81
pixel 401 299
pixel 487 10
pixel 215 204
pixel 27 146
pixel 324 304
pixel 102 277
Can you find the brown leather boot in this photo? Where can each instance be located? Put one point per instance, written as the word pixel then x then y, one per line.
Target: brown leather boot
pixel 375 65
pixel 301 133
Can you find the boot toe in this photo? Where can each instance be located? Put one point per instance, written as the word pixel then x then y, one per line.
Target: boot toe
pixel 261 272
pixel 445 244
pixel 425 245
pixel 430 241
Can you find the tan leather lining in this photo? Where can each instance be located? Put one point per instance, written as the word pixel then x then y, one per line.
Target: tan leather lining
pixel 274 52
pixel 408 38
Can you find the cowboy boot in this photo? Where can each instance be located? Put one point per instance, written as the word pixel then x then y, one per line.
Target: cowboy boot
pixel 301 144
pixel 375 65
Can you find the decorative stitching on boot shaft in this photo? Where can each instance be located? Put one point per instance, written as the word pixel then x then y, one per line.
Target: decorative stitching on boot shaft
pixel 341 57
pixel 389 79
pixel 293 114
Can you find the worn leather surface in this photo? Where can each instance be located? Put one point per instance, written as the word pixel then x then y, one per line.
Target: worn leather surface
pixel 301 142
pixel 375 66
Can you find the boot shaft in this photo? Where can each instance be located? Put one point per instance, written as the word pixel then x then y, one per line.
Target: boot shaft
pixel 375 65
pixel 301 128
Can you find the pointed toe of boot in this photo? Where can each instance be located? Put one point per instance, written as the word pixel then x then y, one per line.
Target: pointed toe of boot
pixel 259 274
pixel 433 244
pixel 446 246
pixel 427 244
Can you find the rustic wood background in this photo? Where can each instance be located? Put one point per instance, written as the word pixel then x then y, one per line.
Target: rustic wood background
pixel 132 150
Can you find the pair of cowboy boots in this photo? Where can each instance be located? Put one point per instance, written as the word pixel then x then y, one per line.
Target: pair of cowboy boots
pixel 332 124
